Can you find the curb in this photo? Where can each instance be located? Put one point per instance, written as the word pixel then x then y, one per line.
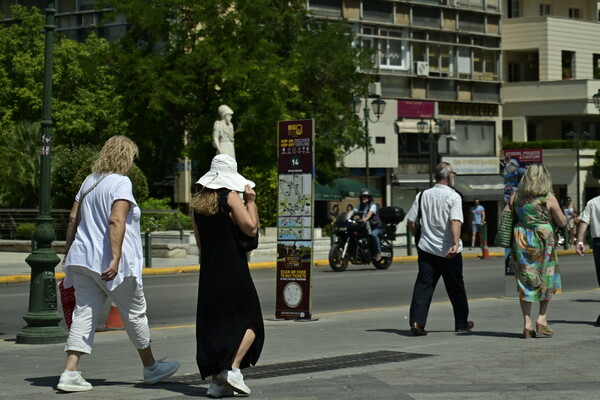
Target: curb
pixel 25 278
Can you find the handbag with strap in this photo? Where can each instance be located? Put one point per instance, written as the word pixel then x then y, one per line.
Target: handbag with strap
pixel 504 234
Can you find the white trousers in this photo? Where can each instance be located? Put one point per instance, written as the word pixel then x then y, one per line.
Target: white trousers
pixel 91 294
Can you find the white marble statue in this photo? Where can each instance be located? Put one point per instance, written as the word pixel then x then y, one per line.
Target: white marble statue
pixel 223 135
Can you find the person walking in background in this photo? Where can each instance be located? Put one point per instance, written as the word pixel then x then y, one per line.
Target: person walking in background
pixel 439 250
pixel 534 246
pixel 570 213
pixel 477 222
pixel 104 261
pixel 590 217
pixel 229 324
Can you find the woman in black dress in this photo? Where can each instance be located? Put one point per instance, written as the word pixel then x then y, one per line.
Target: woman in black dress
pixel 229 324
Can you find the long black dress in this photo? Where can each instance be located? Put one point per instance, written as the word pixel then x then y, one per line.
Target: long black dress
pixel 227 300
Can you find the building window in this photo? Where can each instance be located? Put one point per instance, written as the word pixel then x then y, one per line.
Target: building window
pixel 391 46
pixel 492 4
pixel 326 8
pixel 442 89
pixel 544 9
pixel 568 64
pixel 596 66
pixel 473 22
pixel 378 11
pixel 86 5
pixel 574 13
pixel 464 63
pixel 66 6
pixel 514 72
pixel 380 139
pixel 429 17
pixel 514 9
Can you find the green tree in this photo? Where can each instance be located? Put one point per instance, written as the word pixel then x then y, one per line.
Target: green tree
pixel 266 59
pixel 20 166
pixel 86 106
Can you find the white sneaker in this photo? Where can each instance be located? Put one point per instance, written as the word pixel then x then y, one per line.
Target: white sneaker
pixel 163 370
pixel 67 383
pixel 235 380
pixel 216 391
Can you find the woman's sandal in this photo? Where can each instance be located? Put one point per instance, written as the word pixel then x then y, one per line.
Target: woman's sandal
pixel 528 334
pixel 544 329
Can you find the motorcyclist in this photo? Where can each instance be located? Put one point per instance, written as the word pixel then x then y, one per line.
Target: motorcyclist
pixel 367 209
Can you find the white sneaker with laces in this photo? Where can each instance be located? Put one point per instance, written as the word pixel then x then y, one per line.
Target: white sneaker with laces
pixel 216 390
pixel 235 380
pixel 163 370
pixel 68 383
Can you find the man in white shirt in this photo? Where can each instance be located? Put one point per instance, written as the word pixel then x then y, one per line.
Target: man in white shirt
pixel 439 250
pixel 591 216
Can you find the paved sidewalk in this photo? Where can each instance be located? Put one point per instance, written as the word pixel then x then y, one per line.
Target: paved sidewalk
pixel 365 354
pixel 361 354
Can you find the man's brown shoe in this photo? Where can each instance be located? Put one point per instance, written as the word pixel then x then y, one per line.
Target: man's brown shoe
pixel 417 329
pixel 467 328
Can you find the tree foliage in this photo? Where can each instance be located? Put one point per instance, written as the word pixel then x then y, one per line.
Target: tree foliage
pixel 266 59
pixel 20 166
pixel 181 59
pixel 86 107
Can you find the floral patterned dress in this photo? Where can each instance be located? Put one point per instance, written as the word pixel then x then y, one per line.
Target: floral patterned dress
pixel 534 250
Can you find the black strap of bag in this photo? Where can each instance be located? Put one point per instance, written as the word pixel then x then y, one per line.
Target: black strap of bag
pixel 418 221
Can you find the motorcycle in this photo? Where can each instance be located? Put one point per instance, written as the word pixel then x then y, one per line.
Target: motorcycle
pixel 353 244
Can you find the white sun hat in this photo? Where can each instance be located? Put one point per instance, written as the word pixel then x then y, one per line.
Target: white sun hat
pixel 223 174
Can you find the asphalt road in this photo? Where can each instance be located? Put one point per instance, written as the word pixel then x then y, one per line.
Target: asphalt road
pixel 172 298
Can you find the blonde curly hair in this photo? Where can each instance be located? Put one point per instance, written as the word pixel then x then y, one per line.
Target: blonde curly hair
pixel 535 182
pixel 206 202
pixel 116 156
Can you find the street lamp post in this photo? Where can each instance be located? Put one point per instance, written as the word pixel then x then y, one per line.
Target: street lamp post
pixel 577 136
pixel 432 141
pixel 378 107
pixel 42 316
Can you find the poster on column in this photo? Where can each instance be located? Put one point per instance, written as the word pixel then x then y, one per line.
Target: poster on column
pixel 294 220
pixel 515 165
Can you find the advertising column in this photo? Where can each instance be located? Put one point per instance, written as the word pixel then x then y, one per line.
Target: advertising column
pixel 294 220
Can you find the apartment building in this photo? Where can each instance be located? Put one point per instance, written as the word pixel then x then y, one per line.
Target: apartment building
pixel 551 69
pixel 438 65
pixel 75 19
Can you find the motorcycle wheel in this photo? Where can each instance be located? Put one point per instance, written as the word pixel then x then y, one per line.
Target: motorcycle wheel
pixel 336 262
pixel 385 262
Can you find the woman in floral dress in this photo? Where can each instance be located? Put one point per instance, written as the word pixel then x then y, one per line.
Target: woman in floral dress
pixel 534 246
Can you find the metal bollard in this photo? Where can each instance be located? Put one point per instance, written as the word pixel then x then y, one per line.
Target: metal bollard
pixel 566 243
pixel 408 242
pixel 148 249
pixel 485 252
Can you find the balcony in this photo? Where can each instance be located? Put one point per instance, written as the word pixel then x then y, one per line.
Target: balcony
pixel 554 98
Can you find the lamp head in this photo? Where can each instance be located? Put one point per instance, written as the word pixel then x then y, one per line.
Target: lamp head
pixel 596 100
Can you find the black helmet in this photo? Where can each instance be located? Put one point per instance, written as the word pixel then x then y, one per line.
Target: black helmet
pixel 366 193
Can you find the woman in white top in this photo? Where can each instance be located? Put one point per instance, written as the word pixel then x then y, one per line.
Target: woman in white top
pixel 104 261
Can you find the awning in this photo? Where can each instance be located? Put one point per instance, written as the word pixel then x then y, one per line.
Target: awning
pixel 412 181
pixel 350 188
pixel 482 187
pixel 326 193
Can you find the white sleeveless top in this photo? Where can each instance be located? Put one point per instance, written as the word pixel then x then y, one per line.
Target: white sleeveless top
pixel 91 247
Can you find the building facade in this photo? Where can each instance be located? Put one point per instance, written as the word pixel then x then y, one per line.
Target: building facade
pixel 438 63
pixel 551 66
pixel 75 19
